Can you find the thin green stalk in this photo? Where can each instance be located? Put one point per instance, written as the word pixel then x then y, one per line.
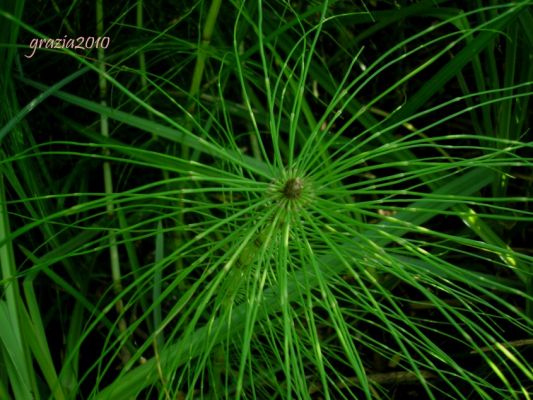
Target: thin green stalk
pixel 207 33
pixel 142 58
pixel 108 182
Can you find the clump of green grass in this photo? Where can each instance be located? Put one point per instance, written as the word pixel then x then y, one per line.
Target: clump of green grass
pixel 271 201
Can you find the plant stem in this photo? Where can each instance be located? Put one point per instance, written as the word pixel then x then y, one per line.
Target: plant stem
pixel 108 183
pixel 202 53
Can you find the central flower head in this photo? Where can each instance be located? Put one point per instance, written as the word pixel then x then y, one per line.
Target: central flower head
pixel 292 191
pixel 293 188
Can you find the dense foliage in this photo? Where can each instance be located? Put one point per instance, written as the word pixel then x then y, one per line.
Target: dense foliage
pixel 271 200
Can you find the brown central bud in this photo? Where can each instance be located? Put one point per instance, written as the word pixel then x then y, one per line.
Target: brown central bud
pixel 293 188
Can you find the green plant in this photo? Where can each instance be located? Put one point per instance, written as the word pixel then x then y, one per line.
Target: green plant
pixel 297 201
